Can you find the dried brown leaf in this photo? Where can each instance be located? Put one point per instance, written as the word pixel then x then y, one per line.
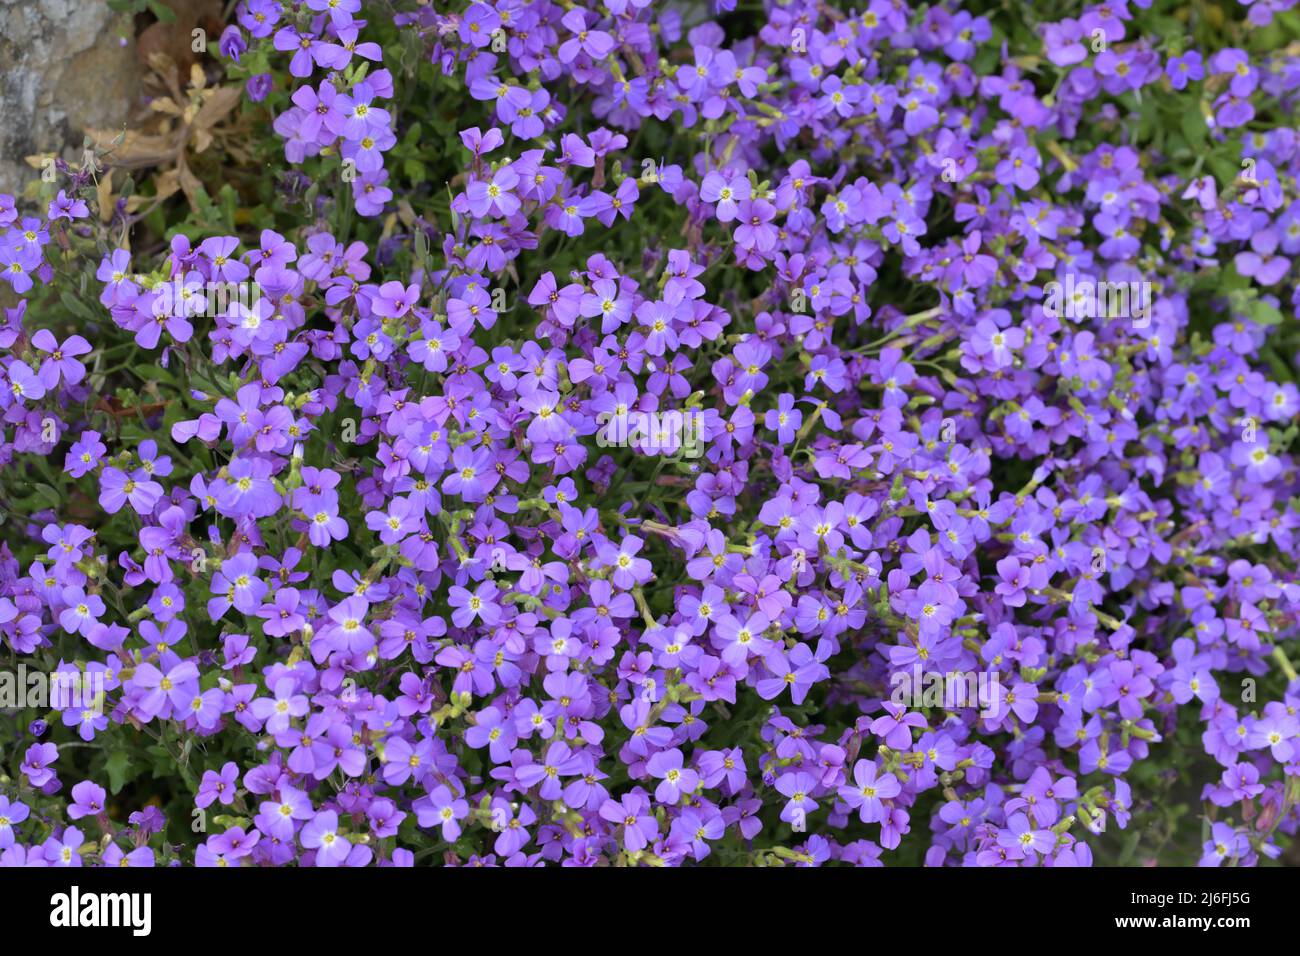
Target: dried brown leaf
pixel 190 184
pixel 104 193
pixel 217 106
pixel 136 149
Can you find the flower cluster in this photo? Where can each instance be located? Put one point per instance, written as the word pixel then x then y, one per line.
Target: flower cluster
pixel 347 563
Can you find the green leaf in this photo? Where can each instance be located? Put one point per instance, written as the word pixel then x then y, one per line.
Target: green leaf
pixel 229 203
pixel 154 373
pixel 76 306
pixel 1193 126
pixel 119 770
pixel 1225 170
pixel 1264 314
pixel 162 11
pixel 49 496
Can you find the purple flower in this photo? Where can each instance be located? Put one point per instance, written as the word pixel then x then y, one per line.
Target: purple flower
pixel 36 763
pixel 1021 836
pixel 675 779
pixel 321 834
pixel 87 800
pixel 631 814
pixel 867 791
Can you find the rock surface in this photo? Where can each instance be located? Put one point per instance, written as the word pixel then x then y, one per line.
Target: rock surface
pixel 63 67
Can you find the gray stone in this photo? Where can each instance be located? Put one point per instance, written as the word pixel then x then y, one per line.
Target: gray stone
pixel 63 68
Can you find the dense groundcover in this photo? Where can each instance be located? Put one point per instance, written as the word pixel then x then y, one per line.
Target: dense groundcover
pixel 651 434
